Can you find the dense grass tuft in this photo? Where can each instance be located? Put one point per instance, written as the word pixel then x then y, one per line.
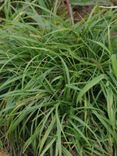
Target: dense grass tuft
pixel 58 85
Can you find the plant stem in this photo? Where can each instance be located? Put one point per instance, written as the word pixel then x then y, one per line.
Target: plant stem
pixel 69 8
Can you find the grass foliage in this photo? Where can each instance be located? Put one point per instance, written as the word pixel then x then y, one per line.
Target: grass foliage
pixel 58 84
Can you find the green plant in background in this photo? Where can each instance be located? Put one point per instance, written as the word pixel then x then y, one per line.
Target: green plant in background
pixel 90 2
pixel 11 7
pixel 58 82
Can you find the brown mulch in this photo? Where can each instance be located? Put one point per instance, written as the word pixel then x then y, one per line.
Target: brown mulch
pixel 79 12
pixel 114 2
pixel 3 154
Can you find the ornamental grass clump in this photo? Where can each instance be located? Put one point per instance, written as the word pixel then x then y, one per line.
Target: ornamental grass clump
pixel 58 85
